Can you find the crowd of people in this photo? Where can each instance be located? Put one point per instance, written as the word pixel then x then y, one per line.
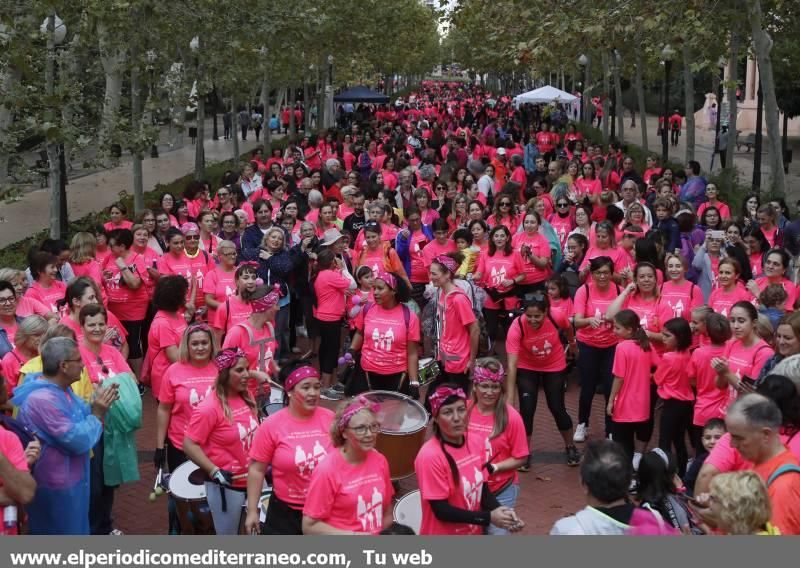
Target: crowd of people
pixel 449 247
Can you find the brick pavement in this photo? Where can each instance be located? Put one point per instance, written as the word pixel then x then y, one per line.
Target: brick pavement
pixel 549 491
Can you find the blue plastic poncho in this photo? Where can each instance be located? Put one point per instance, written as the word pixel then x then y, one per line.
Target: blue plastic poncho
pixel 68 431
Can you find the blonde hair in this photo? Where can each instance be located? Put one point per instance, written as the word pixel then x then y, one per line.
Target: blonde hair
pixel 337 437
pixel 221 390
pixel 500 410
pixel 764 328
pixel 31 326
pixel 273 230
pixel 183 348
pixel 744 502
pixel 83 247
pixel 10 274
pixel 680 257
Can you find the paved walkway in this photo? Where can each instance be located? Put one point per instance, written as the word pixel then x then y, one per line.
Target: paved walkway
pixel 30 213
pixel 704 147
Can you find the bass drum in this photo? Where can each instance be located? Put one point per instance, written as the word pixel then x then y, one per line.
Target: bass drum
pixel 408 510
pixel 191 504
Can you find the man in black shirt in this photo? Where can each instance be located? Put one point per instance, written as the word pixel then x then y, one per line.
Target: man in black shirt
pixel 354 222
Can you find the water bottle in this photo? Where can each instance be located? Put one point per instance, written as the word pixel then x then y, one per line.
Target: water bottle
pixel 10 527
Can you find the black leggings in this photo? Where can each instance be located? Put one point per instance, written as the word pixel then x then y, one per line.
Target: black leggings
pixel 418 294
pixel 494 322
pixel 594 367
pixel 330 341
pixel 676 416
pixel 554 385
pixel 625 432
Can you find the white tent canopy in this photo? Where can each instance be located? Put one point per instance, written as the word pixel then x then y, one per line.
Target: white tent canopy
pixel 547 94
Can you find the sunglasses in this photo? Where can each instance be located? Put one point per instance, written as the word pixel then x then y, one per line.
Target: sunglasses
pixel 103 368
pixel 562 205
pixel 191 238
pixel 505 204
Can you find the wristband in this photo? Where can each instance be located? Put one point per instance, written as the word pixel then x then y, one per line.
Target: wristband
pixel 491 468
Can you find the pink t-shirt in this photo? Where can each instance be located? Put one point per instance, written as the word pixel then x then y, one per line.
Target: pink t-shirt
pixel 587 187
pixel 108 363
pixel 230 313
pixel 726 458
pixel 350 497
pixel 493 270
pixel 91 268
pixel 48 296
pixel 745 361
pixel 711 400
pixel 788 285
pixel 165 331
pixel 434 249
pixel 10 366
pixel 540 247
pixel 184 386
pixel 27 306
pixel 386 337
pixel 12 449
pixel 563 226
pixel 330 286
pixel 251 340
pixel 126 303
pixel 563 306
pixel 593 302
pixel 226 443
pixel 419 268
pixel 537 350
pixel 454 343
pixel 672 376
pixel 652 314
pixel 681 299
pixel 124 224
pixel 512 443
pixel 618 256
pixel 112 323
pixel 436 483
pixel 722 301
pixel 197 266
pixel 221 285
pixel 294 447
pixel 632 365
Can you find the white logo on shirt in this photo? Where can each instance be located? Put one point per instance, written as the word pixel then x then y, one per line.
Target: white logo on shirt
pixel 307 462
pixel 677 309
pixel 382 341
pixel 487 443
pixel 246 434
pixel 370 513
pixel 472 491
pixel 545 351
pixel 195 398
pixel 498 276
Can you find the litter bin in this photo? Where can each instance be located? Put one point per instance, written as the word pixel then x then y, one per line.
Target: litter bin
pixel 193 133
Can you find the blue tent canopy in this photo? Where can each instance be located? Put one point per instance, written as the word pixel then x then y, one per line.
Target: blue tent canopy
pixel 360 94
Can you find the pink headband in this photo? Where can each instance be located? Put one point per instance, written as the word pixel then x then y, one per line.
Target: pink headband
pixel 190 227
pixel 227 358
pixel 264 303
pixel 484 375
pixel 390 280
pixel 356 406
pixel 298 375
pixel 437 399
pixel 448 262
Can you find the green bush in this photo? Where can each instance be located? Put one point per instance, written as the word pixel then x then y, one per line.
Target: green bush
pixel 15 255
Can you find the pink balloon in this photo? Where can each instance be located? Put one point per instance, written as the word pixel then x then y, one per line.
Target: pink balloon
pixel 356 300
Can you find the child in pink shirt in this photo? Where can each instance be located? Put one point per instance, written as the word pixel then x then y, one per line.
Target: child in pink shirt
pixel 674 389
pixel 711 399
pixel 629 402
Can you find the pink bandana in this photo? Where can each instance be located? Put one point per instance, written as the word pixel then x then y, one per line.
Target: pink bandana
pixel 227 358
pixel 437 399
pixel 448 262
pixel 189 227
pixel 356 406
pixel 264 303
pixel 390 280
pixel 298 375
pixel 484 375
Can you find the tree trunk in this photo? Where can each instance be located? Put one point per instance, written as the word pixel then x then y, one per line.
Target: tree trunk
pixel 52 145
pixel 267 114
pixel 640 100
pixel 136 130
pixel 688 93
pixel 733 72
pixel 199 147
pixel 112 60
pixel 606 89
pixel 9 79
pixel 619 107
pixel 235 135
pixel 306 107
pixel 292 124
pixel 762 43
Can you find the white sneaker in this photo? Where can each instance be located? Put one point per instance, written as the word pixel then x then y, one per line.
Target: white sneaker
pixel 301 331
pixel 580 433
pixel 637 457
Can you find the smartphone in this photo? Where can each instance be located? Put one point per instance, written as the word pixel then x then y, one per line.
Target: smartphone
pixel 718 235
pixel 749 382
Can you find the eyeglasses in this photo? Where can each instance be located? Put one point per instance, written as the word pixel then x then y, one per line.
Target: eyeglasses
pixel 363 429
pixel 191 238
pixel 103 368
pixel 505 204
pixel 8 300
pixel 223 194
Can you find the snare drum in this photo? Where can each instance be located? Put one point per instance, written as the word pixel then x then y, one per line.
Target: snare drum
pixel 191 505
pixel 272 408
pixel 263 503
pixel 408 510
pixel 403 423
pixel 428 370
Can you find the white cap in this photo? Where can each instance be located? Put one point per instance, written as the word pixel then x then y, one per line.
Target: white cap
pixel 501 151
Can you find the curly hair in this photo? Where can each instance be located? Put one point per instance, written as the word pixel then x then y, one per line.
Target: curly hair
pixel 743 500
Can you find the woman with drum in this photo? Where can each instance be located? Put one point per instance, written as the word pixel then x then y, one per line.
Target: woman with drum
pixel 387 334
pixel 498 428
pixel 293 442
pixel 351 489
pixel 450 467
pixel 536 356
pixel 219 436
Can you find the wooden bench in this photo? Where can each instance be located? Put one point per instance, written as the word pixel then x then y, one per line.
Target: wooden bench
pixel 749 141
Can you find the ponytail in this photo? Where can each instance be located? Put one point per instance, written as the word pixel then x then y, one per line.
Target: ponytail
pixel 629 320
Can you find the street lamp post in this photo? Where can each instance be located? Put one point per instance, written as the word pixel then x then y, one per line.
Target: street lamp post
pixel 583 61
pixel 151 59
pixel 331 118
pixel 666 54
pixel 721 64
pixel 759 139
